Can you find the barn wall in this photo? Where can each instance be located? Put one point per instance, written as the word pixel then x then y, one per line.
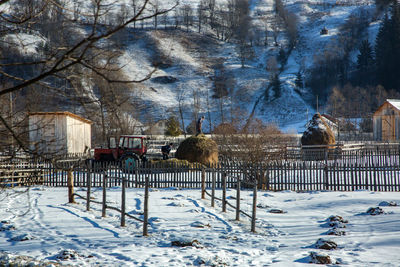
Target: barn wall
pixel 47 133
pixel 377 125
pixel 386 123
pixel 79 135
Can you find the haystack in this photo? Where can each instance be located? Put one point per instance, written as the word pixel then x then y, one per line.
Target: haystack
pixel 173 163
pixel 318 133
pixel 198 149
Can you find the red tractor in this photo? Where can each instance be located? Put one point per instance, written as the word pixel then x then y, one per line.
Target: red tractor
pixel 130 150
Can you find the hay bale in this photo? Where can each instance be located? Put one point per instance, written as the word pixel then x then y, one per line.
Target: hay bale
pixel 173 163
pixel 318 133
pixel 198 149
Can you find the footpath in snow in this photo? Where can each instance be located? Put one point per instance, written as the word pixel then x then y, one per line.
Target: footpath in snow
pixel 186 231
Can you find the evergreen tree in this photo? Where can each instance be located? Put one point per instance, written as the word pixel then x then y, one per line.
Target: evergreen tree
pixel 387 51
pixel 173 127
pixel 276 85
pixel 299 82
pixel 365 63
pixel 282 57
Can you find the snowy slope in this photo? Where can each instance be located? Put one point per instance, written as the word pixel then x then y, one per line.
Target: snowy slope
pixel 194 71
pixel 192 56
pixel 53 231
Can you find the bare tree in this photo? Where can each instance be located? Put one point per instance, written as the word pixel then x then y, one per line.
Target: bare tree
pixel 181 107
pixel 201 14
pixel 72 44
pixel 187 15
pixel 156 10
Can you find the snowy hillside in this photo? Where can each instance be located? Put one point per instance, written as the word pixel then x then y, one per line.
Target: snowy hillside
pixel 191 56
pixel 186 60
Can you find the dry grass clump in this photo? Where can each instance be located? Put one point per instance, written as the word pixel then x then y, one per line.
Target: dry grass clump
pixel 174 163
pixel 198 149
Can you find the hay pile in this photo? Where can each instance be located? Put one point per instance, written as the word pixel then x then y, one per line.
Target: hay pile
pixel 318 133
pixel 198 149
pixel 173 163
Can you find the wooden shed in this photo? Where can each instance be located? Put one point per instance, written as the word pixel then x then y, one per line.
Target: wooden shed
pixel 59 132
pixel 386 121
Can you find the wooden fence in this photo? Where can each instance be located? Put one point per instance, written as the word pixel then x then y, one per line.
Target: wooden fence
pixel 369 169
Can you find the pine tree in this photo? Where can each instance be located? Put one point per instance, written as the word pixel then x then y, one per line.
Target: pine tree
pixel 276 85
pixel 173 127
pixel 282 57
pixel 365 63
pixel 387 51
pixel 299 82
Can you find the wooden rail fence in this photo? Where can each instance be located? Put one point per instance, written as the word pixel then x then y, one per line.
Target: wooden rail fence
pixel 369 169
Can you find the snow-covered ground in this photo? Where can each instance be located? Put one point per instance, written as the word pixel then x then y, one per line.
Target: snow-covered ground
pixel 50 230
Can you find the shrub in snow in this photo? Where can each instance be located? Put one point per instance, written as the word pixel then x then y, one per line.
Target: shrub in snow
pixel 320 258
pixel 7 228
pixel 386 203
pixel 276 211
pixel 375 211
pixel 68 254
pixel 186 243
pixel 262 206
pixel 164 79
pixel 23 237
pixel 215 262
pixel 199 224
pixel 335 231
pixel 17 260
pixel 325 244
pixel 336 224
pixel 337 218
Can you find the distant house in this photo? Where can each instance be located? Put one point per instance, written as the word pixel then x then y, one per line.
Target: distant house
pixel 386 121
pixel 59 133
pixel 157 128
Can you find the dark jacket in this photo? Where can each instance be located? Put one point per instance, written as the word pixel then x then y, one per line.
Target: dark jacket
pixel 166 149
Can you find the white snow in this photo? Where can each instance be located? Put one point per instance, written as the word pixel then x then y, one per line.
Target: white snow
pixel 50 230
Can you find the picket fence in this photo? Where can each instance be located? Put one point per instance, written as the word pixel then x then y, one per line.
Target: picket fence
pixel 376 170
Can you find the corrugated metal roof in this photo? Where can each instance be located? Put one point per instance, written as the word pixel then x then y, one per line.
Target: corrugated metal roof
pixel 394 102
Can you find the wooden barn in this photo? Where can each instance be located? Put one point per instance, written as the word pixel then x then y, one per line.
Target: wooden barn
pixel 59 133
pixel 386 121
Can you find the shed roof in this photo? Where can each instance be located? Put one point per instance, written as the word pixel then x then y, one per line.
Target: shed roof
pixel 394 102
pixel 64 113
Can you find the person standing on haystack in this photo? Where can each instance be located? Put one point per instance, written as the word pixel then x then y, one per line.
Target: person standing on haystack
pixel 199 124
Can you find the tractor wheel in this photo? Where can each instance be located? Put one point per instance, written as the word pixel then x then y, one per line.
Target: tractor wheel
pixel 129 163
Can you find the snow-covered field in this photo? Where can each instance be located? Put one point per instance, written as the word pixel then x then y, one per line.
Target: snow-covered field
pixel 51 230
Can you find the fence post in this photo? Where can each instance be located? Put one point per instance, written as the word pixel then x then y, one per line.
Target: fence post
pixel 253 215
pixel 103 210
pixel 224 192
pixel 213 190
pixel 89 185
pixel 203 183
pixel 146 206
pixel 70 181
pixel 238 199
pixel 123 201
pixel 326 170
